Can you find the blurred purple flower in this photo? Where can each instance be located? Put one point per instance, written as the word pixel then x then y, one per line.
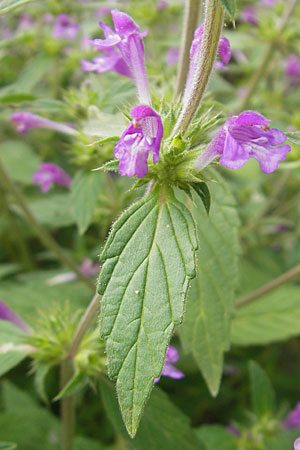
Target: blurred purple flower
pixel 292 69
pixel 233 430
pixel 142 136
pixel 7 314
pixel 48 18
pixel 169 370
pixel 297 444
pixel 100 12
pixel 87 268
pixel 124 44
pixel 162 4
pixel 267 2
pixel 7 33
pixel 245 136
pixel 172 56
pixel 249 15
pixel 64 28
pixel 26 21
pixel 293 419
pixel 195 52
pixel 24 121
pixel 49 174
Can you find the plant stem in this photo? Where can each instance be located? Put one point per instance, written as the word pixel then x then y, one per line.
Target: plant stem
pixel 264 65
pixel 84 325
pixel 8 184
pixel 189 24
pixel 287 276
pixel 67 406
pixel 213 23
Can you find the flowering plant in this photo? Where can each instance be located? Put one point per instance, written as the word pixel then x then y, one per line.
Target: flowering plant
pixel 172 163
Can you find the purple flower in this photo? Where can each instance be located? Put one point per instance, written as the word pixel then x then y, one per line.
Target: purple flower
pixel 297 444
pixel 248 15
pixel 26 21
pixel 169 370
pixel 293 419
pixel 292 69
pixel 162 4
pixel 110 60
pixel 7 314
pixel 49 174
pixel 172 56
pixel 245 136
pixel 223 50
pixel 87 268
pixel 127 42
pixel 24 121
pixel 142 136
pixel 267 2
pixel 233 430
pixel 64 28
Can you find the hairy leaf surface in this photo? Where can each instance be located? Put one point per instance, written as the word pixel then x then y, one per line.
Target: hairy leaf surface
pixel 205 330
pixel 229 5
pixel 148 262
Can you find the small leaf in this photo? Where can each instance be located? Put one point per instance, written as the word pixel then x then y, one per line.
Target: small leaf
pixel 7 446
pixel 163 425
pixel 216 437
pixel 229 5
pixel 110 166
pixel 39 381
pixel 72 386
pixel 11 153
pixel 263 395
pixel 293 137
pixel 148 262
pixel 85 190
pixel 202 190
pixel 8 5
pixel 206 326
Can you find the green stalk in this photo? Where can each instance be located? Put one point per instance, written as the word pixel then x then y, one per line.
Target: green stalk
pixel 264 65
pixel 67 407
pixel 255 295
pixel 213 23
pixel 10 187
pixel 189 25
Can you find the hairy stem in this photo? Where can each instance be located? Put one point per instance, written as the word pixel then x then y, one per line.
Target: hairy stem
pixel 189 24
pixel 67 407
pixel 10 187
pixel 287 276
pixel 84 324
pixel 264 65
pixel 213 23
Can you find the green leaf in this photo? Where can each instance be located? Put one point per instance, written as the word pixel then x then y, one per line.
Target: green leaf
pixel 202 190
pixel 12 348
pixel 205 330
pixel 216 437
pixel 18 98
pixel 263 396
pixel 75 383
pixel 102 124
pixel 163 425
pixel 148 262
pixel 274 317
pixel 112 165
pixel 53 210
pixel 19 160
pixel 40 379
pixel 85 190
pixel 229 5
pixel 293 136
pixel 8 5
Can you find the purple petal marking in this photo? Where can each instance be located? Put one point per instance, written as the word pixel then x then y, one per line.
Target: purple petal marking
pixel 142 136
pixel 246 136
pixel 6 313
pixel 49 174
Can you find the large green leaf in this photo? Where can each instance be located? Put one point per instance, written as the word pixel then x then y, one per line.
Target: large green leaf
pixel 273 317
pixel 163 425
pixel 205 330
pixel 53 210
pixel 8 5
pixel 262 392
pixel 85 190
pixel 12 348
pixel 229 5
pixel 148 262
